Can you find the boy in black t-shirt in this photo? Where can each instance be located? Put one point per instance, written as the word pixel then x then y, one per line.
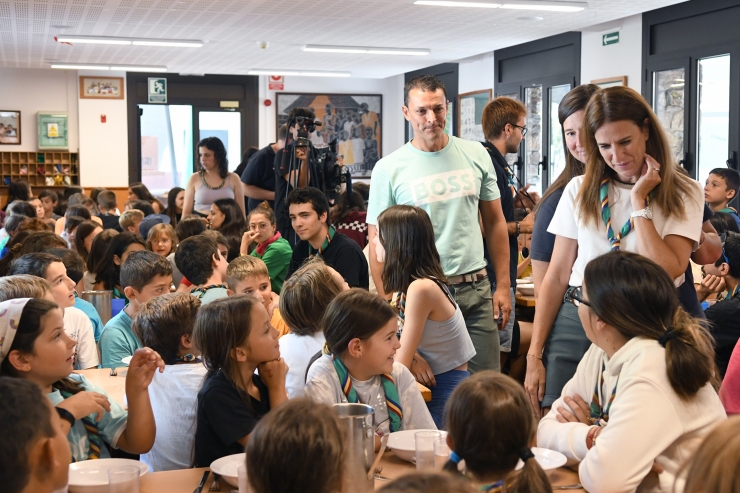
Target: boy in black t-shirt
pixel 309 215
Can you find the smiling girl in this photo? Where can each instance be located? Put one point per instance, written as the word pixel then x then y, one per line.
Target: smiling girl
pixel 272 248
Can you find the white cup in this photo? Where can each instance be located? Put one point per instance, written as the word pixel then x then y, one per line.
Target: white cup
pixel 123 479
pixel 243 483
pixel 424 441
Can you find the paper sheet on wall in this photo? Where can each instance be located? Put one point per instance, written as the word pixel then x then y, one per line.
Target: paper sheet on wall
pixel 469 130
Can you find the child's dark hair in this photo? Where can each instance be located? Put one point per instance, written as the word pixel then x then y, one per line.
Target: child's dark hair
pixel 731 254
pixel 141 267
pixel 636 296
pixel 349 203
pixel 72 222
pixel 98 248
pixel 429 483
pixel 305 297
pixel 84 230
pixel 299 436
pixel 12 223
pixel 25 417
pixel 264 209
pixel 109 273
pixel 724 221
pixel 162 321
pixel 215 145
pixel 143 206
pixel 143 193
pixel 490 424
pixel 34 264
pixel 189 226
pixel 49 193
pixel 77 210
pixel 19 190
pixel 106 199
pixel 21 208
pixel 310 195
pixel 194 258
pixel 234 225
pixel 32 224
pixel 354 314
pixel 407 235
pixel 21 244
pixel 731 177
pixel 363 189
pixel 72 262
pixel 171 210
pixel 221 326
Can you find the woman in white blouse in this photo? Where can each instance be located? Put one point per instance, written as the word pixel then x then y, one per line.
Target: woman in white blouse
pixel 633 197
pixel 642 398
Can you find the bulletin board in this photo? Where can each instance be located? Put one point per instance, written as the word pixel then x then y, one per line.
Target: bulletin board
pixel 470 112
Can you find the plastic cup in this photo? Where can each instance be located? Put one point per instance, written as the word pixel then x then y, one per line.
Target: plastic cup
pixel 424 441
pixel 441 453
pixel 123 479
pixel 243 483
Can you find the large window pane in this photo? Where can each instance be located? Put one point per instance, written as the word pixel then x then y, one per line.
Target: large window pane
pixel 533 140
pixel 166 146
pixel 668 91
pixel 557 150
pixel 713 127
pixel 227 126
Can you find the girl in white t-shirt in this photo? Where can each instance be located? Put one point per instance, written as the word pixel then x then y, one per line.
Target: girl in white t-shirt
pixel 633 197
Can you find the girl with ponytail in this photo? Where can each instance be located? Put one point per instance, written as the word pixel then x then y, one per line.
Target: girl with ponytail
pixel 648 377
pixel 490 426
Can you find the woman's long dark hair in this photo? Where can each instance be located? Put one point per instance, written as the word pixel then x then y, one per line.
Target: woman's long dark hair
pixel 574 101
pixel 98 248
pixel 171 210
pixel 349 203
pixel 84 230
pixel 19 190
pixel 233 226
pixel 215 145
pixel 29 242
pixel 141 191
pixel 110 272
pixel 407 236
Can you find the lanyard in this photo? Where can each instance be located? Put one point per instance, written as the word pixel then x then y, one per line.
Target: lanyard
pixel 597 413
pixel 606 214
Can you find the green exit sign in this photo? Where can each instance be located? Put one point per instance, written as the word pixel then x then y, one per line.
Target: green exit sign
pixel 610 39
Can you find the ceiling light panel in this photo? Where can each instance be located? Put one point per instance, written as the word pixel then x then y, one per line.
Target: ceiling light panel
pixel 449 3
pixel 365 50
pixel 302 73
pixel 110 40
pixel 517 5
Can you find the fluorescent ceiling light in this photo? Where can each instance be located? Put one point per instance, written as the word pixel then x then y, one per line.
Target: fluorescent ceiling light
pixel 302 73
pixel 138 68
pixel 75 66
pixel 120 68
pixel 365 50
pixel 109 40
pixel 552 6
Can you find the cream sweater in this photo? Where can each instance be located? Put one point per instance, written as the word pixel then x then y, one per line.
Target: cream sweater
pixel 648 421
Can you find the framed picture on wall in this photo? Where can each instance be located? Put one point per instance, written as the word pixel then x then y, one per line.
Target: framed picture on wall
pixel 101 87
pixel 10 127
pixel 611 81
pixel 353 121
pixel 470 113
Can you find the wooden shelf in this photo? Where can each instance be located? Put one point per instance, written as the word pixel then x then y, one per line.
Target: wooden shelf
pixel 48 169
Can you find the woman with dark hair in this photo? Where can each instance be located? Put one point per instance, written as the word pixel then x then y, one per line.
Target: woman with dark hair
pixel 95 255
pixel 18 190
pixel 642 397
pixel 633 197
pixel 85 235
pixel 175 203
pixel 139 191
pixel 213 181
pixel 350 214
pixel 226 217
pixel 109 275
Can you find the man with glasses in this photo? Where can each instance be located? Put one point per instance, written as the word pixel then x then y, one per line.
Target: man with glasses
pixel 503 122
pixel 453 180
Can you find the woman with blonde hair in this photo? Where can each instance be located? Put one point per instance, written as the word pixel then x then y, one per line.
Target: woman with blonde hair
pixel 633 197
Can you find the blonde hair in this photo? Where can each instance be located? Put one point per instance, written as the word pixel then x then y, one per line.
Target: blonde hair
pixel 23 286
pixel 714 467
pixel 305 296
pixel 243 267
pixel 157 231
pixel 130 218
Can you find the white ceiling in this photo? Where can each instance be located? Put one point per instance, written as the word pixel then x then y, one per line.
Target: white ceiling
pixel 233 28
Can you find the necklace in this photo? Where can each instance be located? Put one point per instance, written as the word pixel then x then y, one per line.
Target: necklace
pixel 205 183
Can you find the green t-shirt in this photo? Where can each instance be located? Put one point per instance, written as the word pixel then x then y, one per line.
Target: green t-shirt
pixel 277 258
pixel 117 341
pixel 448 185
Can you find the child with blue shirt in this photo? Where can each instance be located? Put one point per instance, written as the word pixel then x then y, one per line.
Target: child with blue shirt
pixel 144 275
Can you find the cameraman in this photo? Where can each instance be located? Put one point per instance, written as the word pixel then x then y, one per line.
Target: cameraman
pixel 299 175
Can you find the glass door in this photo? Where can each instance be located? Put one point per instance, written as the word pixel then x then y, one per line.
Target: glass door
pixel 713 114
pixel 669 96
pixel 557 148
pixel 533 157
pixel 227 126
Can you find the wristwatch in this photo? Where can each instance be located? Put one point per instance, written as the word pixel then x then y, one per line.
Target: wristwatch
pixel 66 416
pixel 647 213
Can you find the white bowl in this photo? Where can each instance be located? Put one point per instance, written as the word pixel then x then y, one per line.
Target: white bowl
pixel 524 280
pixel 91 476
pixel 547 459
pixel 526 289
pixel 227 467
pixel 403 443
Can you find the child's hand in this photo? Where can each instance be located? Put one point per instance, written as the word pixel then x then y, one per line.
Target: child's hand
pixel 274 302
pixel 273 373
pixel 85 403
pixel 141 369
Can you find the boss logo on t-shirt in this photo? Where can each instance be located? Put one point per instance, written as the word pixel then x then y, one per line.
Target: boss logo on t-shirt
pixel 443 186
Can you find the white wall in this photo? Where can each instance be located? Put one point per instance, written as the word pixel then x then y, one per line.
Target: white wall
pixel 623 58
pixel 391 88
pixel 32 90
pixel 476 73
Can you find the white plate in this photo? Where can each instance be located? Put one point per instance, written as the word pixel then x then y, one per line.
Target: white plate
pixel 524 280
pixel 526 289
pixel 127 360
pixel 403 443
pixel 547 459
pixel 227 467
pixel 91 476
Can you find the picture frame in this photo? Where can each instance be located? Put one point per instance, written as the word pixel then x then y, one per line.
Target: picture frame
pixel 95 87
pixel 620 80
pixel 53 130
pixel 354 120
pixel 470 113
pixel 10 119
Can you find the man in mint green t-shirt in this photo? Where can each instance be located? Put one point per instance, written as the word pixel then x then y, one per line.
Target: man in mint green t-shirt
pixel 452 180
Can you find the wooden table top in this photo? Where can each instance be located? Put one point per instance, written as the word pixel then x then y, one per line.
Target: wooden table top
pixel 523 300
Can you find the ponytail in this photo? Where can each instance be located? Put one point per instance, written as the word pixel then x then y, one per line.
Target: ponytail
pixel 530 478
pixel 689 355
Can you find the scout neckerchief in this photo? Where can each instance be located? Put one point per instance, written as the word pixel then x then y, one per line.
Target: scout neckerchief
pixel 606 214
pixel 596 413
pixel 118 294
pixel 389 388
pixel 263 246
pixel 200 292
pixel 93 435
pixel 329 236
pixel 496 487
pixel 188 358
pixel 732 294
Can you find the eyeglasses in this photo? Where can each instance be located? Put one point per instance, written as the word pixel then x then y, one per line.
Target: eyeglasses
pixel 523 129
pixel 574 295
pixel 163 241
